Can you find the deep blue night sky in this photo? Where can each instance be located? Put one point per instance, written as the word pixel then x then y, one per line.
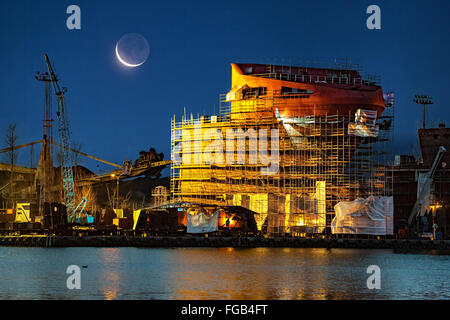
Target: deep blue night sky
pixel 117 111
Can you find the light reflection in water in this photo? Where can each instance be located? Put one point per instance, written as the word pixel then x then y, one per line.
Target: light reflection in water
pixel 221 273
pixel 111 278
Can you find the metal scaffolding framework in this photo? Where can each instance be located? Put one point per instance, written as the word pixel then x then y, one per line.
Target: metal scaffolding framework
pixel 321 161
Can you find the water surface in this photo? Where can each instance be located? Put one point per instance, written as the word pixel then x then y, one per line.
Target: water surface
pixel 221 273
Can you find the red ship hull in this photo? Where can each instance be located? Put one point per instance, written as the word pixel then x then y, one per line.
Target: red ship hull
pixel 323 92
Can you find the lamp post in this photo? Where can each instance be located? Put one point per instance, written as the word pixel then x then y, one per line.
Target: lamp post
pixel 117 189
pixel 424 101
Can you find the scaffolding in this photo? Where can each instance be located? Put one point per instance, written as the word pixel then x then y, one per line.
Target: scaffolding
pixel 319 163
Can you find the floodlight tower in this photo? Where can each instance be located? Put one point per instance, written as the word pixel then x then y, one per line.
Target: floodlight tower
pixel 424 101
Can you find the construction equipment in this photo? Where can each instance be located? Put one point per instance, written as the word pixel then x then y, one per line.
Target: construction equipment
pixel 23 213
pixel 424 186
pixel 132 171
pixel 20 146
pixel 48 113
pixel 64 139
pixel 80 208
pixel 87 155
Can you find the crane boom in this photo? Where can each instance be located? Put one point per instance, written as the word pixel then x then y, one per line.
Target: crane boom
pixel 87 155
pixel 64 139
pixel 425 187
pixel 20 146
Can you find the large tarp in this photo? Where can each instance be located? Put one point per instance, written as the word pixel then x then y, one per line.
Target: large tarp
pixel 371 216
pixel 365 124
pixel 202 223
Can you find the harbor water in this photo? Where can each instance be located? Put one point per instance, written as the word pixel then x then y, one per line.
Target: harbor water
pixel 222 273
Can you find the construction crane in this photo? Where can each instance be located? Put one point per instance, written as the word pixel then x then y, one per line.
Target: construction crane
pixel 87 155
pixel 64 140
pixel 20 146
pixel 61 146
pixel 132 171
pixel 424 186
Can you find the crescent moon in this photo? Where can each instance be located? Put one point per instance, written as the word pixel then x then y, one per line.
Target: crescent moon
pixel 124 62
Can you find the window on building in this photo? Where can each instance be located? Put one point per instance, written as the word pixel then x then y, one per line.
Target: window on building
pixel 250 93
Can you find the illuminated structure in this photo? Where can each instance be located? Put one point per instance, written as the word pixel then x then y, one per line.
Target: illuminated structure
pixel 407 172
pixel 289 143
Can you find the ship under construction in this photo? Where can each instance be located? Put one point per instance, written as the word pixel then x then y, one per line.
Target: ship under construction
pixel 288 144
pixel 292 152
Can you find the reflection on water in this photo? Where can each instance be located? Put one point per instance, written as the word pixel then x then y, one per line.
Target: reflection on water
pixel 222 273
pixel 265 273
pixel 110 279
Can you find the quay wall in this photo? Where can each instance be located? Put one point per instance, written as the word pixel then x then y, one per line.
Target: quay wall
pixel 237 242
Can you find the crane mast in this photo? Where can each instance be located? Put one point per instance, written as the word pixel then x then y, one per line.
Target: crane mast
pixel 64 140
pixel 424 189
